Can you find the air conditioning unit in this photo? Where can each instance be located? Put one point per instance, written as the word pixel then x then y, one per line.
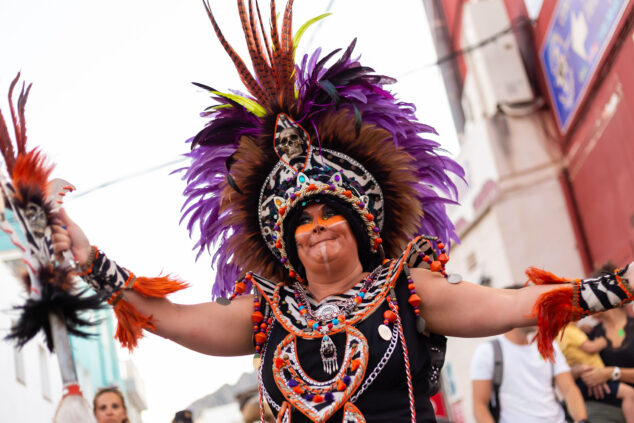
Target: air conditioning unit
pixel 496 66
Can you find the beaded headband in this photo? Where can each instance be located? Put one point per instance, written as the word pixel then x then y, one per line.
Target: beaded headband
pixel 304 171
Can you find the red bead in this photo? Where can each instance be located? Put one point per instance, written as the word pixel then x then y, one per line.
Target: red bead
pixel 441 245
pixel 414 300
pixel 279 363
pixel 443 258
pixel 278 244
pixel 317 399
pixel 291 273
pixel 369 216
pixel 426 259
pixel 257 317
pixel 282 210
pixel 263 325
pixel 341 386
pixel 347 193
pixel 239 288
pixel 435 266
pixel 248 276
pixel 298 390
pixel 411 286
pixel 260 337
pixel 389 315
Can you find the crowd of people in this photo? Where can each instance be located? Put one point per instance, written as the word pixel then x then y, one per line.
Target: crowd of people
pixel 593 369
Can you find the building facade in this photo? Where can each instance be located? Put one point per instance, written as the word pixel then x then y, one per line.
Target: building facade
pixel 542 96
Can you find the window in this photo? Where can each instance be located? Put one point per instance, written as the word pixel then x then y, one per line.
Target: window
pixel 18 363
pixel 44 375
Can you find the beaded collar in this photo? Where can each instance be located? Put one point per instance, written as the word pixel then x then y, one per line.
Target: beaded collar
pixel 287 312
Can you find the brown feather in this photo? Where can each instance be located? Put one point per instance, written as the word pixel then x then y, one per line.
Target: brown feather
pixel 247 78
pixel 255 50
pixel 6 145
pixel 16 127
pixel 266 77
pixel 21 143
pixel 287 56
pixel 277 46
pixel 267 43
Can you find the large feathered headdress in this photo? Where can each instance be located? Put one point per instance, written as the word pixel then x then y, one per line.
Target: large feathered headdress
pixel 325 125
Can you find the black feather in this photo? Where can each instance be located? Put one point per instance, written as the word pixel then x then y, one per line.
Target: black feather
pixel 233 184
pixel 330 90
pixel 358 120
pixel 34 313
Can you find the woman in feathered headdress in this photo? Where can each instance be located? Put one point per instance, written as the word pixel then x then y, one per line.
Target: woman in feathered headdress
pixel 312 187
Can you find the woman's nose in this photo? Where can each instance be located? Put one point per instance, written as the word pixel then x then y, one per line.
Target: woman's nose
pixel 318 227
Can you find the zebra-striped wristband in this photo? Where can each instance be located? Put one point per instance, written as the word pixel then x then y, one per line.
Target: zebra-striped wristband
pixel 594 295
pixel 106 277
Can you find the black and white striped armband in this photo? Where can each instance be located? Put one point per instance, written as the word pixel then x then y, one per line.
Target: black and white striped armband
pixel 105 276
pixel 594 295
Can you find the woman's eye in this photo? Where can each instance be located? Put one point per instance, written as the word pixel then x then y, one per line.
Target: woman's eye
pixel 328 213
pixel 305 220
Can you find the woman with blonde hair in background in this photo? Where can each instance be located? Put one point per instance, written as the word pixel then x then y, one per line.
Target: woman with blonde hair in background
pixel 109 406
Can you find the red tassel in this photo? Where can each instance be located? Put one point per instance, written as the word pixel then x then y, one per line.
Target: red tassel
pixel 159 287
pixel 542 277
pixel 553 309
pixel 131 322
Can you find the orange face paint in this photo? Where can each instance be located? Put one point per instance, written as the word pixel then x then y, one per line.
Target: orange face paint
pixel 308 226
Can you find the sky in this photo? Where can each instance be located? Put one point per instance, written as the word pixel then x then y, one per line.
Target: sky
pixel 112 98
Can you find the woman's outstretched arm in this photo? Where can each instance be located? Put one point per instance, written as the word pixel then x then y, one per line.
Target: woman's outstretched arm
pixel 470 310
pixel 209 328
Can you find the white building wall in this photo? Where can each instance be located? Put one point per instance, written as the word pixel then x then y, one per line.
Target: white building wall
pixel 513 212
pixel 24 401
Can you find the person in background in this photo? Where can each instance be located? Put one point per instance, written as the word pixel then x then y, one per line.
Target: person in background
pixel 580 350
pixel 527 392
pixel 183 416
pixel 618 358
pixel 109 406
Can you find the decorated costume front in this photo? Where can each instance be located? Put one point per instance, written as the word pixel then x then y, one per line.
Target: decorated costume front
pixel 325 130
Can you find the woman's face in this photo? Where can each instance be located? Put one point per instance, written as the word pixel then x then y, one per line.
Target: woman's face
pixel 109 408
pixel 323 237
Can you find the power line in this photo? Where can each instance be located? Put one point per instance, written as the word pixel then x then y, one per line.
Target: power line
pixel 126 177
pixel 516 25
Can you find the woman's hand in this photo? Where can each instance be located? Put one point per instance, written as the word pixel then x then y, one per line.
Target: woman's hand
pixel 596 377
pixel 67 235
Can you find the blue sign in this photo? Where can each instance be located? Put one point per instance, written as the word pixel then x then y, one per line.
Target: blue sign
pixel 579 33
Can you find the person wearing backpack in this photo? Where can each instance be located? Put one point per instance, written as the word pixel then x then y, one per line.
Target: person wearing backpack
pixel 515 385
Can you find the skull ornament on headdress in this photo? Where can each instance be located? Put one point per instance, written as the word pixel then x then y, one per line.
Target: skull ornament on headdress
pixel 321 127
